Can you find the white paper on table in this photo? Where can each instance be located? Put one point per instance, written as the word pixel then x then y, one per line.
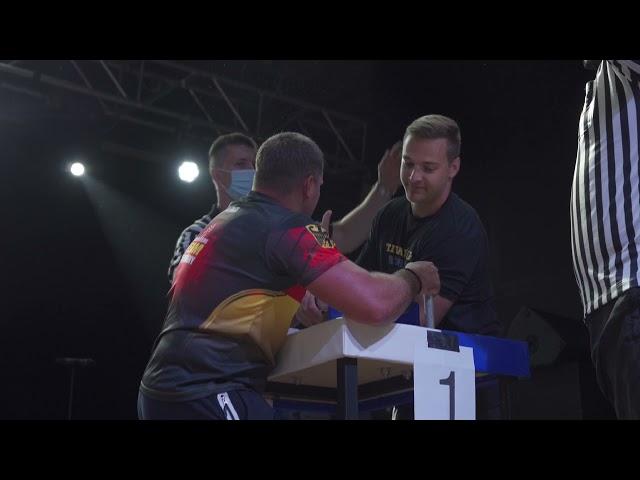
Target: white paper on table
pixel 444 383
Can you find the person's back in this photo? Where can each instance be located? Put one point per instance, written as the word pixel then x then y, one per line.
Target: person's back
pixel 240 289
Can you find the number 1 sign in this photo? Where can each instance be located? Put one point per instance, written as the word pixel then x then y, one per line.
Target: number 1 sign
pixel 443 379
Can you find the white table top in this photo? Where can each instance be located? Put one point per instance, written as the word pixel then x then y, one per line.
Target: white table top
pixel 309 356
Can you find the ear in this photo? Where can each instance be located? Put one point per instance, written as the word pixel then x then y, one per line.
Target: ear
pixel 454 168
pixel 215 176
pixel 307 186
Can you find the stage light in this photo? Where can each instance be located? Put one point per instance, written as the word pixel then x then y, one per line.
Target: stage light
pixel 77 169
pixel 188 171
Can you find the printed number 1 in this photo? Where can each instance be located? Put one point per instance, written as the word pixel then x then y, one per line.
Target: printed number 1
pixel 450 381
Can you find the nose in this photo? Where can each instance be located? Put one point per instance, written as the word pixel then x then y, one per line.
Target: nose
pixel 415 176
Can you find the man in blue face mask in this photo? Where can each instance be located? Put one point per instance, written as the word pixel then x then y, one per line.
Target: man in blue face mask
pixel 232 160
pixel 232 167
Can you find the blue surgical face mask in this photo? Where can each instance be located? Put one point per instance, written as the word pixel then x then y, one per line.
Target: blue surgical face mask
pixel 241 183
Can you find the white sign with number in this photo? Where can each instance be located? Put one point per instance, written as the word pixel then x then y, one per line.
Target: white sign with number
pixel 444 383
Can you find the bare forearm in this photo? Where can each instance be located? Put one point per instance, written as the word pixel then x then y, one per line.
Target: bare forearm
pixel 352 230
pixel 372 298
pixel 395 299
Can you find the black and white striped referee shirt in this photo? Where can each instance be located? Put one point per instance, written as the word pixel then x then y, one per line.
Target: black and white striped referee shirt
pixel 187 236
pixel 605 201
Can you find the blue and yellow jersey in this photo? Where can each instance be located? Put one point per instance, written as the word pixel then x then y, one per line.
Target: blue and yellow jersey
pixel 234 294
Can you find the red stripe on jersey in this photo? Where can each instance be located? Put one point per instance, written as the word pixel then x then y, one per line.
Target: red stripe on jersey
pixel 296 292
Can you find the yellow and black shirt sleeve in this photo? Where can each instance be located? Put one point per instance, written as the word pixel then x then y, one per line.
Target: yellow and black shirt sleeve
pixel 302 251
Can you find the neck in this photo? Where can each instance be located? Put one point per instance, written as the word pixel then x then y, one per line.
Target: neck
pixel 223 201
pixel 422 210
pixel 286 201
pixel 223 197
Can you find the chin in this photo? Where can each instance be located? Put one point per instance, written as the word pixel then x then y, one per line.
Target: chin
pixel 417 197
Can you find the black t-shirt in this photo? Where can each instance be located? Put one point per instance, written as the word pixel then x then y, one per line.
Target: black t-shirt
pixel 234 294
pixel 455 240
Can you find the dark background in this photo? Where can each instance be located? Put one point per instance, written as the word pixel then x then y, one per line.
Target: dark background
pixel 84 260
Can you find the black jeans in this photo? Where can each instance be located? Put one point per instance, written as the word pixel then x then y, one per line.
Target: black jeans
pixel 231 405
pixel 614 330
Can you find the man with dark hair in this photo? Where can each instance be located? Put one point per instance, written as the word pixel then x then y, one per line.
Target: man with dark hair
pixel 241 280
pixel 231 168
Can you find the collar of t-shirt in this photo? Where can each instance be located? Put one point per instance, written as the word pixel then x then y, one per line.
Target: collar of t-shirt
pixel 419 220
pixel 253 195
pixel 214 211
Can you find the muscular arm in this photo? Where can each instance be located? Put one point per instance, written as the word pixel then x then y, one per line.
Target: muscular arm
pixel 367 297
